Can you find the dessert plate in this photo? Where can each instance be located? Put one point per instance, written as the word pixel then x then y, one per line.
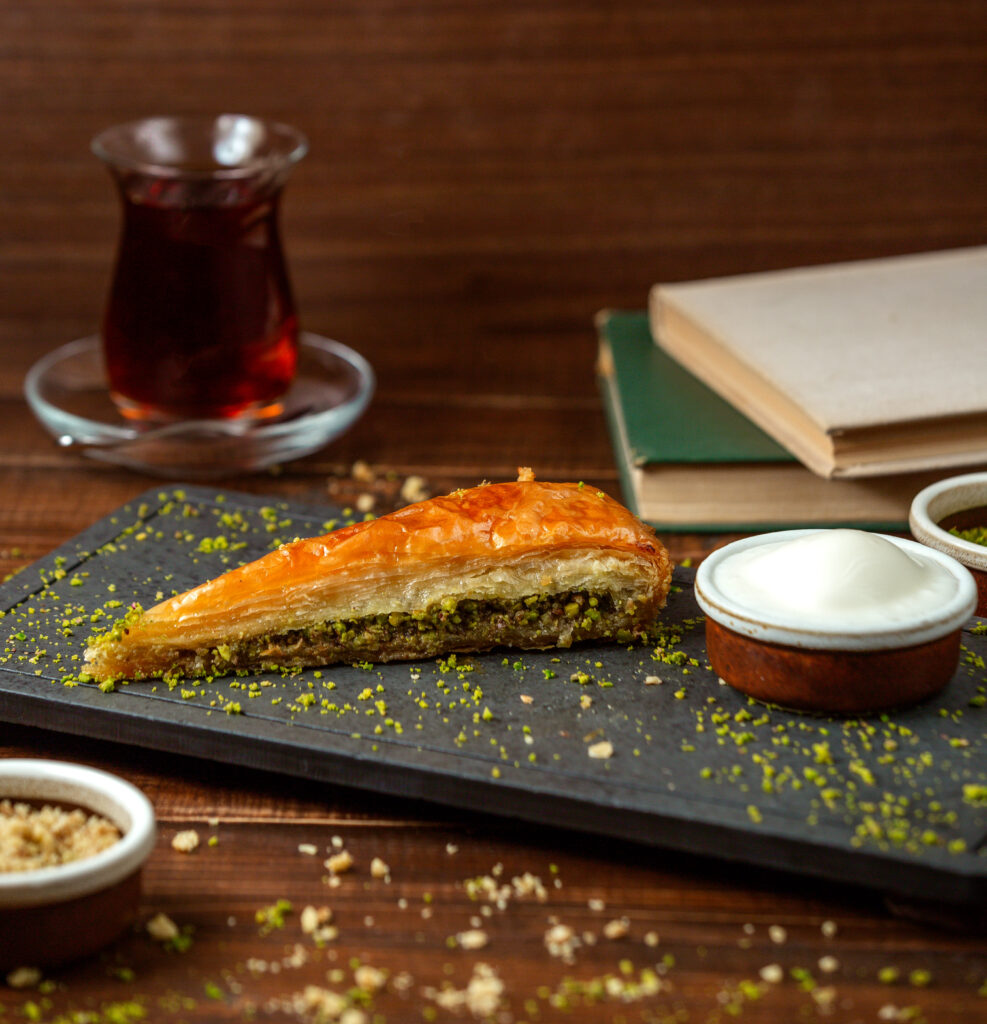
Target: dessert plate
pixel 638 741
pixel 68 393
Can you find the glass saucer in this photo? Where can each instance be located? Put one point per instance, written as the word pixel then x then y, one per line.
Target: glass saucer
pixel 68 393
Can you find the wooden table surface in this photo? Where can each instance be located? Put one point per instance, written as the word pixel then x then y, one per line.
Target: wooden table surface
pixel 484 175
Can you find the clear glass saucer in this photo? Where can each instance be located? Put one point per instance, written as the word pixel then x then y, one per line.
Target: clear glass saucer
pixel 67 391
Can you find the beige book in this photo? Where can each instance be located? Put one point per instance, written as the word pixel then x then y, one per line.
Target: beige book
pixel 859 369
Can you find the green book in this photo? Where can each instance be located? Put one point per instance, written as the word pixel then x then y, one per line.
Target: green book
pixel 688 460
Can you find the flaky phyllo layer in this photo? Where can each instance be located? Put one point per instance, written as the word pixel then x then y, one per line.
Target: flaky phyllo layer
pixel 522 564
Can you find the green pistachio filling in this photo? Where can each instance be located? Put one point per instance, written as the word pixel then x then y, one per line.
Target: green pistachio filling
pixel 537 621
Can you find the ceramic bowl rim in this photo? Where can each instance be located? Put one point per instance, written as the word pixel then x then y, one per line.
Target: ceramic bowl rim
pixel 932 504
pixel 105 794
pixel 741 619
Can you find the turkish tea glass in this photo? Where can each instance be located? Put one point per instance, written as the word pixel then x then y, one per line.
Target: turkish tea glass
pixel 200 322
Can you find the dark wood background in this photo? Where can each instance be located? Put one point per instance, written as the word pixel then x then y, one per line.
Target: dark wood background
pixel 483 177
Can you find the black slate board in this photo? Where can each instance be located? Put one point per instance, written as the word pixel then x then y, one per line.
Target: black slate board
pixel 890 802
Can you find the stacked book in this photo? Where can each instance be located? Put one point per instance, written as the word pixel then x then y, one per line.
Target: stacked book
pixel 820 396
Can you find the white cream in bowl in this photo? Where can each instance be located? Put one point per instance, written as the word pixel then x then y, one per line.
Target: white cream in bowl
pixel 835 589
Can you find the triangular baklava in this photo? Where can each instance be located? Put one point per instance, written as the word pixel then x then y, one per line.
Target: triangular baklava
pixel 525 564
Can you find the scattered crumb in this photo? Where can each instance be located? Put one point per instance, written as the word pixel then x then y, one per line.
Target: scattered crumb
pixel 772 974
pixel 777 934
pixel 362 473
pixel 185 841
pixel 653 681
pixel 413 489
pixel 161 928
pixel 481 996
pixel 340 863
pixel 617 929
pixel 601 750
pixel 370 979
pixel 651 939
pixel 365 502
pixel 312 917
pixel 596 905
pixel 828 964
pixel 320 1003
pixel 451 848
pixel 585 701
pixel 379 868
pixel 561 941
pixel 476 938
pixel 309 849
pixel 23 977
pixel 828 928
pixel 526 699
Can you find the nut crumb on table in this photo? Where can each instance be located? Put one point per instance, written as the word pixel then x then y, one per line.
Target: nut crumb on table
pixel 185 841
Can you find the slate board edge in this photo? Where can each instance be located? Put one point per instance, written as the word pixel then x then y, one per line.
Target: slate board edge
pixel 868 869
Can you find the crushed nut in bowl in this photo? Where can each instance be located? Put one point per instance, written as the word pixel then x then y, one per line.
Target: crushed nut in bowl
pixel 73 841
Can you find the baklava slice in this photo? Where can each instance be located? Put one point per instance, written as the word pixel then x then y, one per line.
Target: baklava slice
pixel 524 564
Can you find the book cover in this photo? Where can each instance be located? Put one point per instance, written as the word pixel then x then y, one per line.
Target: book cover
pixel 690 461
pixel 875 366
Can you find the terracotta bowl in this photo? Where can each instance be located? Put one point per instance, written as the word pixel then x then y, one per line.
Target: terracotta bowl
pixel 957 503
pixel 848 671
pixel 55 914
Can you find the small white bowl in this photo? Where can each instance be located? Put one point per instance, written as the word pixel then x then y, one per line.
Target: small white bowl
pixel 50 915
pixel 959 501
pixel 846 670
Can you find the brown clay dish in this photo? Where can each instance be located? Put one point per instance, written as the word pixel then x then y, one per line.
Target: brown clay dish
pixel 846 671
pixel 837 682
pixel 54 914
pixel 959 502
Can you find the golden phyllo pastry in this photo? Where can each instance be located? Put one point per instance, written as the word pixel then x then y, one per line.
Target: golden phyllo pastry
pixel 525 564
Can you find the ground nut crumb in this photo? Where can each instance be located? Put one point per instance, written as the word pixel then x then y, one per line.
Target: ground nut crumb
pixel 828 964
pixel 772 974
pixel 370 979
pixel 185 841
pixel 309 849
pixel 311 917
pixel 413 489
pixel 161 928
pixel 476 938
pixel 617 929
pixel 365 502
pixel 402 982
pixel 777 934
pixel 33 837
pixel 379 868
pixel 596 904
pixel 322 1002
pixel 481 996
pixel 653 680
pixel 23 977
pixel 651 939
pixel 362 473
pixel 527 698
pixel 561 941
pixel 601 750
pixel 340 863
pixel 828 928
